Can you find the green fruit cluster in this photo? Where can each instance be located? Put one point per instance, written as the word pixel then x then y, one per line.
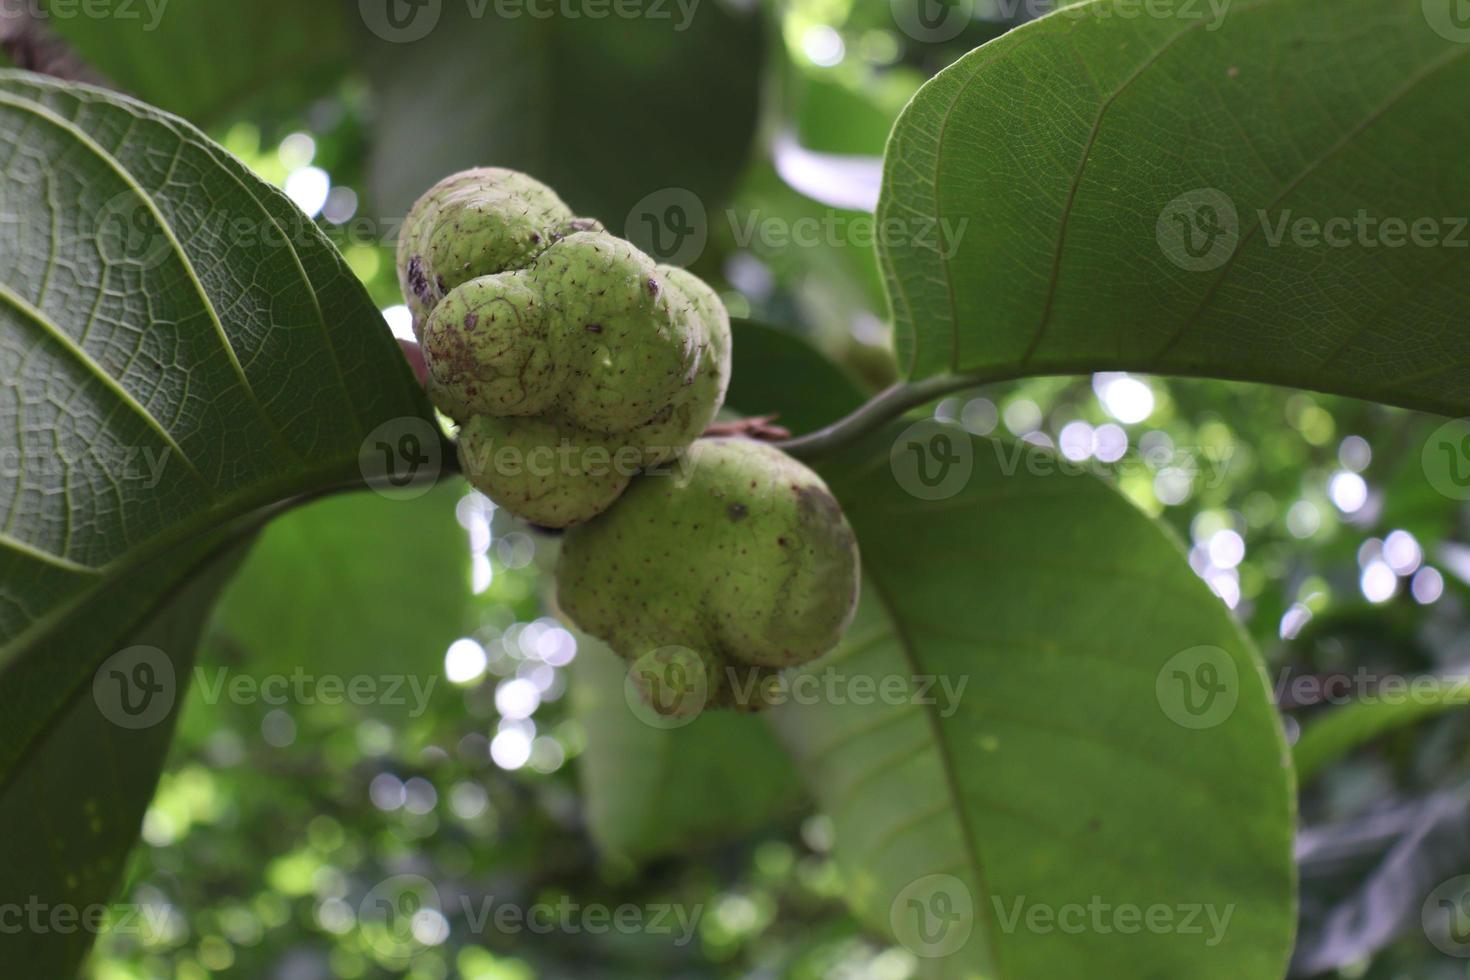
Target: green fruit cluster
pixel 718 580
pixel 570 359
pixel 571 362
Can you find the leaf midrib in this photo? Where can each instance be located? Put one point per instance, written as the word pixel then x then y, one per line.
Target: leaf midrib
pixel 948 770
pixel 85 141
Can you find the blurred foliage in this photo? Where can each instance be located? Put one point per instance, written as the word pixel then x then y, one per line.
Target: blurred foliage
pixel 1310 515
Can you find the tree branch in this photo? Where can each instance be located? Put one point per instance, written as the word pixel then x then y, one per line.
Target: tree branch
pixel 887 406
pixel 30 43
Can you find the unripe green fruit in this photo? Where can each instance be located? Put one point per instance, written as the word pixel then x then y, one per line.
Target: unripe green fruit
pixel 623 333
pixel 548 472
pixel 747 561
pixel 487 349
pixel 541 331
pixel 476 223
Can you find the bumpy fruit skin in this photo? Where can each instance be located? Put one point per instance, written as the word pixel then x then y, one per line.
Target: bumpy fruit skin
pixel 477 223
pixel 569 358
pixel 748 562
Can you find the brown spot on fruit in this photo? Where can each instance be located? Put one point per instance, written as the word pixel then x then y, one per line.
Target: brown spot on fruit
pixel 594 328
pixel 737 512
pixel 417 281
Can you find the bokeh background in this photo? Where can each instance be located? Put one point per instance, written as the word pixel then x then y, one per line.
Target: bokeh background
pixel 741 139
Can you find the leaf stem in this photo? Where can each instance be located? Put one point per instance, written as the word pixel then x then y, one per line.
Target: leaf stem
pixel 887 405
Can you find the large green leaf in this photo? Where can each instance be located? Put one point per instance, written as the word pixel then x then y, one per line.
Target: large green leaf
pixel 204 59
pixel 1066 160
pixel 605 110
pixel 180 352
pixel 378 586
pixel 72 808
pixel 653 790
pixel 1042 778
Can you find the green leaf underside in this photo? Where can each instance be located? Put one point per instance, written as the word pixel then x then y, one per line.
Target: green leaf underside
pixel 157 302
pixel 71 810
pixel 1060 145
pixel 1058 779
pixel 1341 730
pixel 652 792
